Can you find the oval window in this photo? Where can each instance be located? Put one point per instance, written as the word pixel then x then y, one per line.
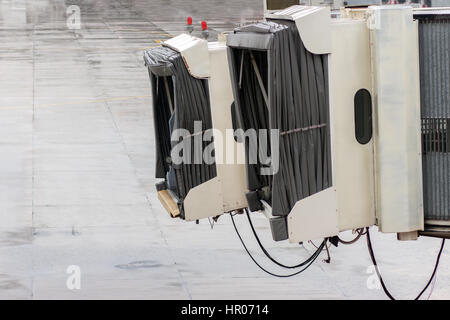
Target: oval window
pixel 363 116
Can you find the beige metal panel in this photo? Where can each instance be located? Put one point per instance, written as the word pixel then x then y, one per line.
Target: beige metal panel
pixel 232 173
pixel 194 52
pixel 350 203
pixel 204 201
pixel 353 162
pixel 314 217
pixel 399 199
pixel 313 23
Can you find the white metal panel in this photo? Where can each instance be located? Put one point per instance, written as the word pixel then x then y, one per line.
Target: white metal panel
pixel 399 199
pixel 314 217
pixel 232 174
pixel 313 23
pixel 353 162
pixel 194 52
pixel 432 10
pixel 204 200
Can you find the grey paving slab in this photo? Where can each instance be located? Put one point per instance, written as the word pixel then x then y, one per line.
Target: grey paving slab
pixel 137 256
pixel 91 157
pixel 78 216
pixel 86 188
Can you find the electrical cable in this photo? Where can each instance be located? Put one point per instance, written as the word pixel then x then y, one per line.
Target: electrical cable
pixel 360 233
pixel 383 285
pixel 314 256
pixel 267 253
pixel 432 288
pixel 314 245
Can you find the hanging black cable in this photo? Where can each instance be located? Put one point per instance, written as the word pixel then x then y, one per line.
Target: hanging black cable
pixel 267 253
pixel 314 256
pixel 386 291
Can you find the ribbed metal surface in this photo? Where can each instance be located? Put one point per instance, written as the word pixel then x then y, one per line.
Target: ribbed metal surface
pixel 434 43
pixel 434 46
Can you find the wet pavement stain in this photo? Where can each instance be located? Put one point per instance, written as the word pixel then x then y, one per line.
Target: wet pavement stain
pixel 7 283
pixel 145 264
pixel 16 238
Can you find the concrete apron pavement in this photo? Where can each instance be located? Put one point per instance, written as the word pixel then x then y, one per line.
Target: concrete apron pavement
pixel 77 166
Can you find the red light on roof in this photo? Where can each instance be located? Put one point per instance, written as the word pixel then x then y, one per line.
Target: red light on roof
pixel 189 20
pixel 204 25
